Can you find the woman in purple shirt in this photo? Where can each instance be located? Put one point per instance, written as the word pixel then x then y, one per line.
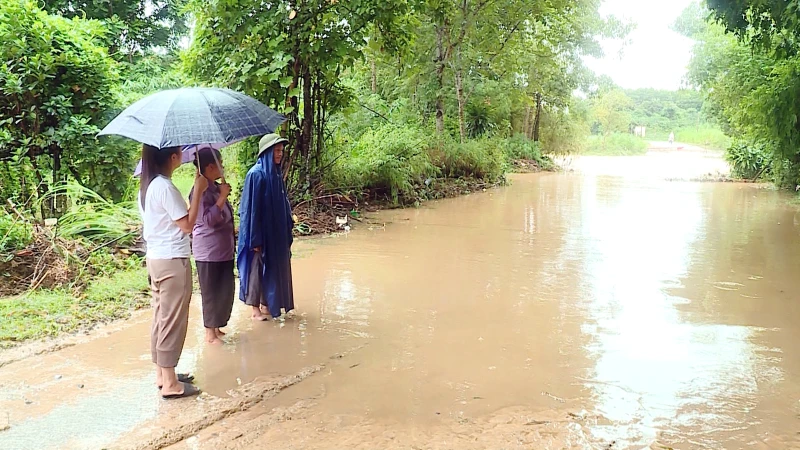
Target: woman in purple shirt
pixel 213 247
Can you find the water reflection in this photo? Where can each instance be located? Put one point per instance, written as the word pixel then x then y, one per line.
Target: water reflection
pixel 657 375
pixel 345 306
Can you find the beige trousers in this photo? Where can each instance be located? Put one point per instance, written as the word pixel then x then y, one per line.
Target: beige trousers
pixel 171 284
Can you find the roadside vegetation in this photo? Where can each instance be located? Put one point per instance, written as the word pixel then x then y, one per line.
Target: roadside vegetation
pixel 615 144
pixel 745 64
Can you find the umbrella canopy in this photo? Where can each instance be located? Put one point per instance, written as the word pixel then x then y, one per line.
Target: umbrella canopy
pixel 188 116
pixel 187 154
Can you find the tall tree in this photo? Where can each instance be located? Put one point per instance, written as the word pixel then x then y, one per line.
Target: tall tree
pixel 135 25
pixel 612 111
pixel 291 55
pixel 770 24
pixel 748 65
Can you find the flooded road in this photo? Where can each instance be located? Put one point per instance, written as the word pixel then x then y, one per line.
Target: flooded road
pixel 573 310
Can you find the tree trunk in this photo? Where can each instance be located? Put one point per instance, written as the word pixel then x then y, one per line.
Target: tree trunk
pixel 374 75
pixel 440 64
pixel 538 119
pixel 460 95
pixel 526 121
pixel 41 188
pixel 308 128
pixel 56 155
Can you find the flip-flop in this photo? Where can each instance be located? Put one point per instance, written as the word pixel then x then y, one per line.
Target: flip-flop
pixel 184 378
pixel 189 390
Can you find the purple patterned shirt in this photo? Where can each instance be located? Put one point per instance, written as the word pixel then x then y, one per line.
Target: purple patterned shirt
pixel 212 237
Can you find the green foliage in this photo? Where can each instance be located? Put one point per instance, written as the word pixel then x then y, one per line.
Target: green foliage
pixel 135 26
pixel 281 54
pixel 666 111
pixel 56 86
pixel 565 132
pixel 752 84
pixel 749 160
pixel 388 159
pixel 616 144
pixel 766 24
pixel 519 147
pixel 611 112
pixel 481 159
pixel 149 74
pixel 15 233
pixel 90 216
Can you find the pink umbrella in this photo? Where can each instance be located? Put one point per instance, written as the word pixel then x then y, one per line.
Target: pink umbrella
pixel 187 155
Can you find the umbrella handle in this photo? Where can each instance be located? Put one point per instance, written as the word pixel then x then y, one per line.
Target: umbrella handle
pixel 219 166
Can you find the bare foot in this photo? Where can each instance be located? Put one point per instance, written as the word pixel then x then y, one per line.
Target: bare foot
pixel 219 332
pixel 211 337
pixel 258 314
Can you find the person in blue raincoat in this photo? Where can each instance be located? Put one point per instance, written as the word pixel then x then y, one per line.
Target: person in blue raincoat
pixel 265 234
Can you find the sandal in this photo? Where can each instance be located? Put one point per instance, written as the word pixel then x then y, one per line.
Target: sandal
pixel 189 390
pixel 184 378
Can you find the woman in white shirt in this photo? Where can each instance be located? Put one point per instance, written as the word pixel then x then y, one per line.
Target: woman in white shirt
pixel 167 224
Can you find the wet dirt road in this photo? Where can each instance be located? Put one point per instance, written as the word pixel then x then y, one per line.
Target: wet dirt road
pixel 570 310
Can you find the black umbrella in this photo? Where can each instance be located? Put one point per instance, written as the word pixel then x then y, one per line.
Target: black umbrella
pixel 188 116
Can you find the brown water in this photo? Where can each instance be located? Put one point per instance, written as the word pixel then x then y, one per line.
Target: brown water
pixel 564 311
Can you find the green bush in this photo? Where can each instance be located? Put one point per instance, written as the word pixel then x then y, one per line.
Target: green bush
pixel 616 144
pixel 481 159
pixel 56 90
pixel 749 160
pixel 519 147
pixel 389 159
pixel 15 234
pixel 564 133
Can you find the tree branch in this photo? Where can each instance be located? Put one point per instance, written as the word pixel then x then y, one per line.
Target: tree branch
pixel 375 112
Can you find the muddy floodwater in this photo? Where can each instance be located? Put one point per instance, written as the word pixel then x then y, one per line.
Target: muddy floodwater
pixel 569 310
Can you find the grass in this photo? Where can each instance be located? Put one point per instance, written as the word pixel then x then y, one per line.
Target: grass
pixel 616 144
pixel 94 218
pixel 705 136
pixel 52 312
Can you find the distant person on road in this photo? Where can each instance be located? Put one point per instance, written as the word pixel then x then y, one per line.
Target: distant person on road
pixel 671 138
pixel 213 245
pixel 265 235
pixel 167 224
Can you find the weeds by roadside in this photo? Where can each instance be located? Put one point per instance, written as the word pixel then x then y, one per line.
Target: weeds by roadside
pixel 49 312
pixel 706 136
pixel 71 274
pixel 616 144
